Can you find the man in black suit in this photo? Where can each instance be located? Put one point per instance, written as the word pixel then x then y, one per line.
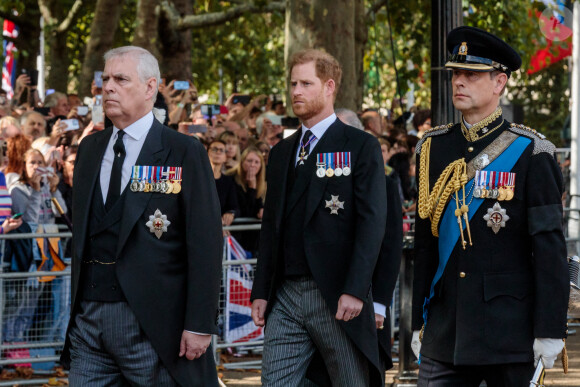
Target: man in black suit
pixel 491 280
pixel 324 221
pixel 147 244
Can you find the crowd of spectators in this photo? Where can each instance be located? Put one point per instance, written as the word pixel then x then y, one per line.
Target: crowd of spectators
pixel 39 140
pixel 238 136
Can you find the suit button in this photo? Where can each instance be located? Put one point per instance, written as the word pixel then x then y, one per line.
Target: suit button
pixel 470 149
pixel 93 285
pixel 462 275
pixel 113 288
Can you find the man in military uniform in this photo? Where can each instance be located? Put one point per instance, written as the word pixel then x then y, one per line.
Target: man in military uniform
pixel 490 291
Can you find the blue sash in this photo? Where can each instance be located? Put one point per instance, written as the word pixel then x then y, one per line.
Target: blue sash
pixel 449 230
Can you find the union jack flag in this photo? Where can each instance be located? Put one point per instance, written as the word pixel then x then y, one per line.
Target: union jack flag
pixel 10 30
pixel 239 326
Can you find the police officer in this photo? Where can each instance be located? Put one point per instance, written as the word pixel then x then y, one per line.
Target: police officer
pixel 490 289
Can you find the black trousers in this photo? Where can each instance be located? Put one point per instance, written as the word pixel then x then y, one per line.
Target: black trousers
pixel 433 373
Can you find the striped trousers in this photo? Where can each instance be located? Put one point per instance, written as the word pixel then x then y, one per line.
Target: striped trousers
pixel 300 323
pixel 108 348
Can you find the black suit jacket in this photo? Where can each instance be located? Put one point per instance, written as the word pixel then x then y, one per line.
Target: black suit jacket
pixel 171 283
pixel 496 296
pixel 341 250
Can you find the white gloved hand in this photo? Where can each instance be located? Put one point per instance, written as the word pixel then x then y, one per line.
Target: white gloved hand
pixel 416 343
pixel 548 350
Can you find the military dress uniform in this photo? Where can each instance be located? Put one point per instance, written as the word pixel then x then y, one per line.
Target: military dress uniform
pixel 490 266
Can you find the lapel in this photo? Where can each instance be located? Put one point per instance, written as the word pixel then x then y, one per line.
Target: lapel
pixel 334 140
pixel 287 155
pixel 153 153
pixel 86 181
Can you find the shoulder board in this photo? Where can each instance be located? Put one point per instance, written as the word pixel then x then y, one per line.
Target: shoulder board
pixel 435 131
pixel 541 144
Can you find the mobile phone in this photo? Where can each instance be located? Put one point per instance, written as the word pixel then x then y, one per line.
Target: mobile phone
pixel 243 99
pixel 82 110
pixel 208 111
pixel 197 128
pixel 181 85
pixel 42 110
pixel 32 74
pixel 17 216
pixel 98 79
pixel 71 124
pixel 276 120
pixel 290 122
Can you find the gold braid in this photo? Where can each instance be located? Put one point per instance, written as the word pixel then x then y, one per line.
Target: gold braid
pixel 453 177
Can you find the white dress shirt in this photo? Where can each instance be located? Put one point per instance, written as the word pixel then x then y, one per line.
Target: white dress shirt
pixel 133 140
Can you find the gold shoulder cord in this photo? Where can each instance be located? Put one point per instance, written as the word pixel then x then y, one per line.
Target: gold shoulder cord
pixel 452 179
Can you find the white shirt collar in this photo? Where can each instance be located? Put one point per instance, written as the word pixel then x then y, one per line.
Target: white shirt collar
pixel 138 128
pixel 319 129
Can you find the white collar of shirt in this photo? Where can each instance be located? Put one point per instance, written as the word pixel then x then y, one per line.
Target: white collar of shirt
pixel 320 128
pixel 318 131
pixel 467 124
pixel 138 128
pixel 136 133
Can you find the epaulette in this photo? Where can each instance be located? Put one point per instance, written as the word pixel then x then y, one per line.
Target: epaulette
pixel 435 131
pixel 541 144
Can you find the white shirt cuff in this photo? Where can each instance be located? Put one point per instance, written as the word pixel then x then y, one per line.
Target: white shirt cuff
pixel 380 309
pixel 197 333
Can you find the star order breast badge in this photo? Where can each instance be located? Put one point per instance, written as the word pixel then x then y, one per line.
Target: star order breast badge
pixel 334 204
pixel 158 223
pixel 496 217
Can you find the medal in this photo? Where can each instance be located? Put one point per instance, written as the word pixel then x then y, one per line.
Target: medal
pixel 135 180
pixel 493 184
pixel 334 204
pixel 339 163
pixel 510 186
pixel 346 168
pixel 496 217
pixel 303 156
pixel 321 171
pixel 175 182
pixel 476 180
pixel 502 193
pixel 158 223
pixel 329 165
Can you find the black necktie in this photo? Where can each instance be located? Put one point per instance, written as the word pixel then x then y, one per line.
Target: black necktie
pixel 116 172
pixel 304 148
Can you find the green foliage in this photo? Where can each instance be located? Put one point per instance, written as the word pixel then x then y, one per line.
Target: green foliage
pixel 249 50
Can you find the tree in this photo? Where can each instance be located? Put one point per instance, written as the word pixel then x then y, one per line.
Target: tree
pixel 58 17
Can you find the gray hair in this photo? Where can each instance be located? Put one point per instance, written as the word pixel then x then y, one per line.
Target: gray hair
pixel 349 117
pixel 147 65
pixel 24 117
pixel 51 100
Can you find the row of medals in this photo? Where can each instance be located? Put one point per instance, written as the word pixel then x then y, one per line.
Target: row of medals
pixel 502 193
pixel 329 172
pixel 164 186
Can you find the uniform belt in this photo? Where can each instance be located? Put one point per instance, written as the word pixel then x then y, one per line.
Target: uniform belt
pixel 97 262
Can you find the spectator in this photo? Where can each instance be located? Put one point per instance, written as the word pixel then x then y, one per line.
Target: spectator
pixel 268 130
pixel 264 151
pixel 16 147
pixel 421 122
pixel 32 194
pixel 58 104
pixel 349 117
pixel 65 184
pixel 59 108
pixel 226 187
pixel 243 135
pixel 372 122
pixel 278 108
pixel 9 127
pixel 232 148
pixel 74 101
pixel 250 178
pixel 33 124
